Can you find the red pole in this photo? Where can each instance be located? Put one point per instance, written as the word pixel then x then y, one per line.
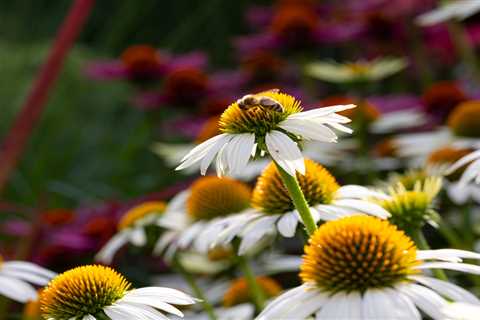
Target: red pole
pixel 16 139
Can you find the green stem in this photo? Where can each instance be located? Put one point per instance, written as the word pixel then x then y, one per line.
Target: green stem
pixel 419 238
pixel 450 235
pixel 298 199
pixel 257 293
pixel 197 291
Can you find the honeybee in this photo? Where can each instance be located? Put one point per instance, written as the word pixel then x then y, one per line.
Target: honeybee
pixel 250 100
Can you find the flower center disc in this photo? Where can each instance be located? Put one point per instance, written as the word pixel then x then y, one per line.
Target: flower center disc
pixel 271 196
pixel 139 212
pixel 82 291
pixel 213 197
pixel 465 119
pixel 239 291
pixel 357 253
pixel 257 119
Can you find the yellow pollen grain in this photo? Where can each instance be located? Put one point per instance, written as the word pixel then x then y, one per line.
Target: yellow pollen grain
pixel 139 212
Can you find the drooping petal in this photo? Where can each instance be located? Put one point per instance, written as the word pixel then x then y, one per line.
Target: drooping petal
pixel 285 152
pixel 452 255
pixel 106 254
pixel 287 224
pixel 17 290
pixel 447 289
pixel 426 299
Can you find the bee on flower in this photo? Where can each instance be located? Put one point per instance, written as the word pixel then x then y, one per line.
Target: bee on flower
pixel 270 123
pixel 96 292
pixel 361 267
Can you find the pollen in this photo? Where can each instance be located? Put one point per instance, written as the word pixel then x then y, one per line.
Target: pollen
pixel 271 196
pixel 464 120
pixel 82 291
pixel 411 209
pixel 212 197
pixel 209 130
pixel 239 291
pixel 140 212
pixel 357 253
pixel 257 119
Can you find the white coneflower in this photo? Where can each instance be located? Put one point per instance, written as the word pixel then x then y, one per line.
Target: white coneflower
pixel 259 129
pixel 192 210
pixel 17 277
pixel 131 229
pixel 95 292
pixel 462 131
pixel 274 211
pixel 364 268
pixel 458 10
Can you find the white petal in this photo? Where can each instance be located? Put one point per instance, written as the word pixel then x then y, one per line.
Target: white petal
pixel 203 149
pixel 462 311
pixel 447 289
pixel 89 317
pixel 152 302
pixel 238 152
pixel 28 267
pixel 283 303
pixel 363 206
pixel 187 236
pixel 426 299
pixel 285 152
pixel 386 304
pixel 164 241
pixel 138 237
pixel 321 112
pixel 463 267
pixel 255 232
pixel 17 290
pixel 452 255
pixel 342 306
pixel 309 129
pixel 106 254
pixel 287 224
pixel 359 192
pixel 25 276
pixel 167 295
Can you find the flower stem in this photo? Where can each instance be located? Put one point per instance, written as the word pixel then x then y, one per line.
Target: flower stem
pixel 197 291
pixel 421 242
pixel 257 293
pixel 298 199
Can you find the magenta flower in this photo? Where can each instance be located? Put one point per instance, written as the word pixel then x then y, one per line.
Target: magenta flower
pixel 143 63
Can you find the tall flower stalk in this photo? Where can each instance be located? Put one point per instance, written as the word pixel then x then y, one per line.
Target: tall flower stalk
pixel 17 138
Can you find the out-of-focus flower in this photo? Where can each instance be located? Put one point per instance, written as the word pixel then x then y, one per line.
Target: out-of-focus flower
pixel 17 277
pixel 462 131
pixel 274 129
pixel 373 70
pixel 472 171
pixel 190 212
pixel 411 208
pixel 131 229
pixel 143 63
pixel 391 286
pixel 91 292
pixel 31 310
pixel 441 159
pixel 441 98
pixel 274 211
pixel 454 10
pixel 183 87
